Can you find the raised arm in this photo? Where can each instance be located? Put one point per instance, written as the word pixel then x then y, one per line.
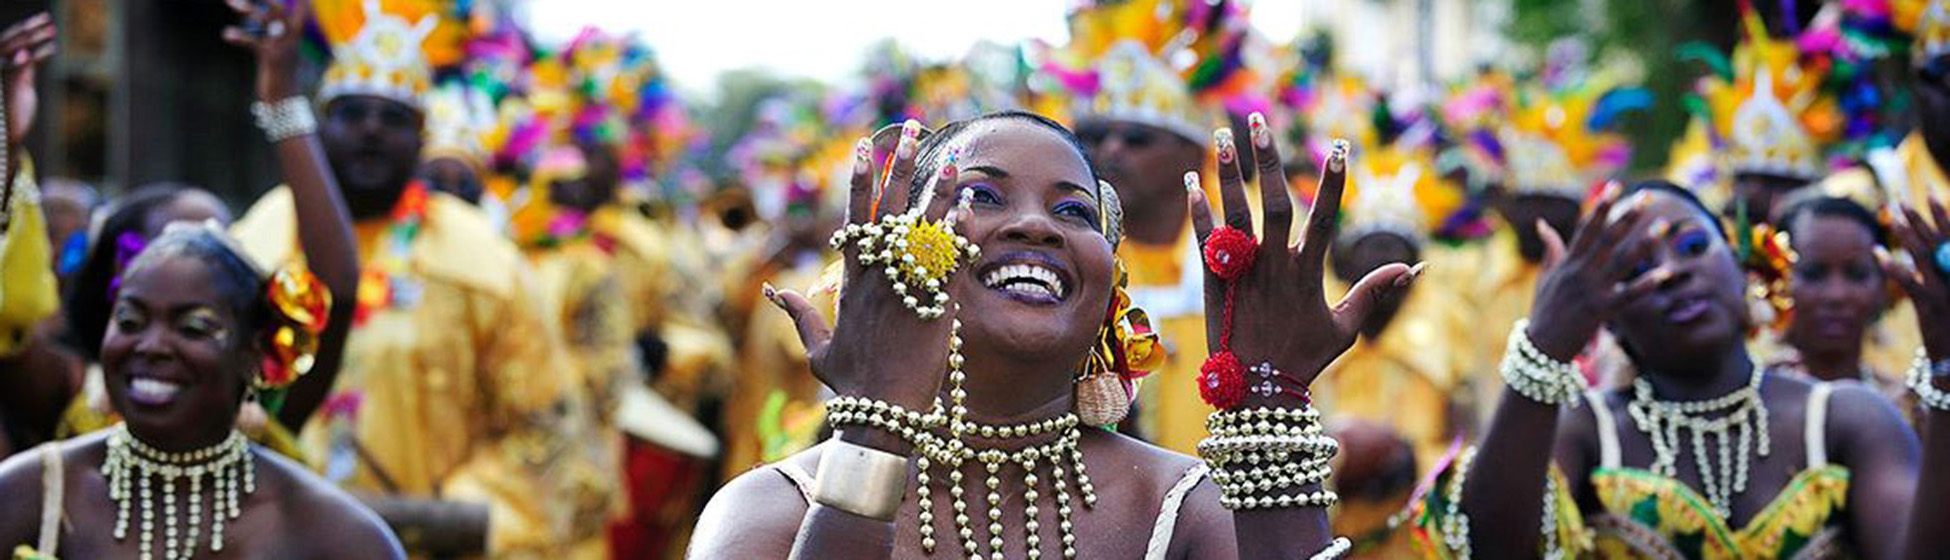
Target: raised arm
pixel 35 385
pixel 1928 244
pixel 1273 312
pixel 271 30
pixel 1582 286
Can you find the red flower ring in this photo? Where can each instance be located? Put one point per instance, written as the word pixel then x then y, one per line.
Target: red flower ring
pixel 1229 252
pixel 1222 381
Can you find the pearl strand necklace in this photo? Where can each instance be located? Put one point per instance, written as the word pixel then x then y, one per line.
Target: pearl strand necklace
pixel 954 451
pixel 1745 414
pixel 133 469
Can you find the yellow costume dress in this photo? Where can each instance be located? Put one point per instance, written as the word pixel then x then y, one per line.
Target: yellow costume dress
pixel 776 404
pixel 27 286
pixel 451 378
pixel 1645 515
pixel 1168 283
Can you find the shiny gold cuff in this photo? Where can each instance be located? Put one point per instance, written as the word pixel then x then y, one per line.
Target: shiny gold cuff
pixel 861 480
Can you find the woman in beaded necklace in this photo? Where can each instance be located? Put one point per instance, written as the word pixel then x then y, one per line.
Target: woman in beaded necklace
pixel 1025 310
pixel 1708 455
pixel 194 327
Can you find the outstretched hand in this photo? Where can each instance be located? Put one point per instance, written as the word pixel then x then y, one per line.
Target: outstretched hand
pixel 1928 281
pixel 271 30
pixel 23 47
pixel 1587 282
pixel 877 347
pixel 1280 314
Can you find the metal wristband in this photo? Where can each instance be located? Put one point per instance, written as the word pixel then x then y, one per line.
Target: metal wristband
pixel 861 480
pixel 282 120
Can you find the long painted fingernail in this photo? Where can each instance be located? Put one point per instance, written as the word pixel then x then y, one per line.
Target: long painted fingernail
pixel 948 169
pixel 1256 124
pixel 1191 181
pixel 1223 138
pixel 910 133
pixel 1882 255
pixel 1337 161
pixel 862 156
pixel 771 294
pixel 1610 191
pixel 1661 228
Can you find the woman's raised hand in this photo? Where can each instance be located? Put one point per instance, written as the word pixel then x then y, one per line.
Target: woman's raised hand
pixel 23 47
pixel 878 347
pixel 270 29
pixel 1588 281
pixel 1280 315
pixel 1928 282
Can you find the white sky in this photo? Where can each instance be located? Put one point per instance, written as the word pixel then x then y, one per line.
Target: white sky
pixel 825 39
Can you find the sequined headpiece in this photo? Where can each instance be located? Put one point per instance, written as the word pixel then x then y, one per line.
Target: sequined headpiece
pixel 384 57
pixel 459 121
pixel 1396 190
pixel 1771 111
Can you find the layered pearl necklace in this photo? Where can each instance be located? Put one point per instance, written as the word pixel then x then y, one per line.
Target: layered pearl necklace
pixel 1732 420
pixel 942 439
pixel 135 470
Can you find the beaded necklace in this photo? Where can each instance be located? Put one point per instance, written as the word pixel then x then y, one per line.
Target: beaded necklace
pixel 1731 419
pixel 134 470
pixel 941 437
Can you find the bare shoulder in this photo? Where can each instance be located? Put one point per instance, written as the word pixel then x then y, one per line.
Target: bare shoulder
pixel 21 484
pixel 334 523
pixel 756 515
pixel 1863 423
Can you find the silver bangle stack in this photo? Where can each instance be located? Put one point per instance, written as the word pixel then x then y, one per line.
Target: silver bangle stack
pixel 1922 374
pixel 1537 376
pixel 285 119
pixel 1265 457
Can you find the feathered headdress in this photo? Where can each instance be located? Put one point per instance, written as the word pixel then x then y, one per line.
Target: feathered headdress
pixel 1770 107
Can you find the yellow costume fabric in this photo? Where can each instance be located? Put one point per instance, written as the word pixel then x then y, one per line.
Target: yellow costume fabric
pixel 1407 379
pixel 1647 515
pixel 775 387
pixel 1166 281
pixel 1498 285
pixel 27 287
pixel 581 294
pixel 451 394
pixel 699 352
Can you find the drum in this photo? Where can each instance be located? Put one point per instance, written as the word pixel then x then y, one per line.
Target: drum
pixel 666 469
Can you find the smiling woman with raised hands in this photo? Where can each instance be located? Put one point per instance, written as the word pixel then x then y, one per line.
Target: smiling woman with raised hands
pixel 1706 455
pixel 982 339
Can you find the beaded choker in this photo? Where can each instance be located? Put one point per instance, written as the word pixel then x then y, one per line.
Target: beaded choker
pixel 135 470
pixel 1731 420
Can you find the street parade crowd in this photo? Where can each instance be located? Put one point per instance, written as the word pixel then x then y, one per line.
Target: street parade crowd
pixel 1172 288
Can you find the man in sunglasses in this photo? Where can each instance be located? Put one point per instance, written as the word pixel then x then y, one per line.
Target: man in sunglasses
pixel 1143 130
pixel 442 419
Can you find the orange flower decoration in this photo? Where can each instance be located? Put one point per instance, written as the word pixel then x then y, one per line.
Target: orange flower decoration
pixel 300 306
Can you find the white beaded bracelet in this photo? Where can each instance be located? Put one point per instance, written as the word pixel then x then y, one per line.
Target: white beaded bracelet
pixel 1922 374
pixel 1337 549
pixel 285 119
pixel 1537 376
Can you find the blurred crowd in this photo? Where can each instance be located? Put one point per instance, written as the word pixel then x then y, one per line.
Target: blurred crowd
pixel 559 311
